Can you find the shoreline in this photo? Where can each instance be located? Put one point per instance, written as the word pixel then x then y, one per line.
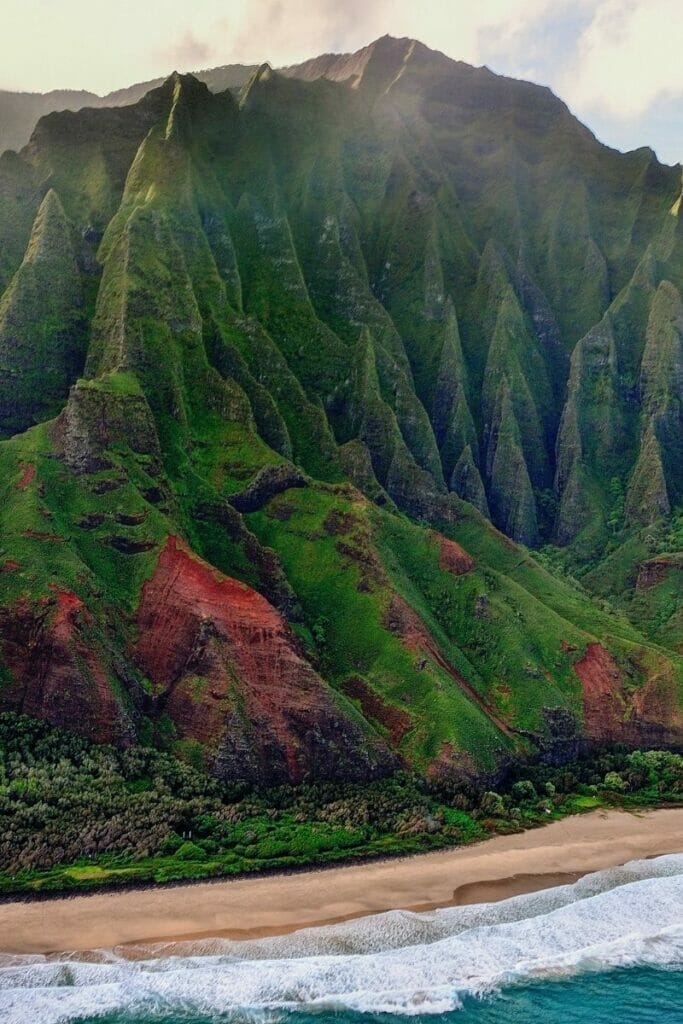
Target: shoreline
pixel 252 907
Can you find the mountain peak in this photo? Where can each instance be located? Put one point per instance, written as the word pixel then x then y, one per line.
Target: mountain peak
pixel 50 228
pixel 187 82
pixel 375 68
pixel 263 75
pixel 182 96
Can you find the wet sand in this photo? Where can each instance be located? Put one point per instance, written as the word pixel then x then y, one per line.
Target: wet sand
pixel 250 907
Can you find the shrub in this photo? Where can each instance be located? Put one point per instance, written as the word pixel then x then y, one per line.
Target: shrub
pixel 491 805
pixel 524 792
pixel 614 781
pixel 190 851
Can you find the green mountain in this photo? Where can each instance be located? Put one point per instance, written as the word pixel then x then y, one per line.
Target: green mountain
pixel 19 111
pixel 341 423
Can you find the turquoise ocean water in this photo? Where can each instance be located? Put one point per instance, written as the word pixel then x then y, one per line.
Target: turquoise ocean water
pixel 607 950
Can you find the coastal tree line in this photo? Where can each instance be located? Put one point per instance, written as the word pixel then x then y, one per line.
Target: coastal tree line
pixel 76 815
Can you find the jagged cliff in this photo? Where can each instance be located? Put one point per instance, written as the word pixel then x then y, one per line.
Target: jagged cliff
pixel 276 369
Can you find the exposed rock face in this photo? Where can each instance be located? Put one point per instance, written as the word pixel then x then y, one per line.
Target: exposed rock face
pixel 95 419
pixel 453 558
pixel 396 721
pixel 229 675
pixel 271 480
pixel 60 668
pixel 611 714
pixel 220 516
pixel 604 705
pixel 656 570
pixel 128 545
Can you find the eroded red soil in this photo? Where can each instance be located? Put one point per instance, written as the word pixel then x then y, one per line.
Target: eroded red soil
pixel 231 676
pixel 27 477
pixel 58 672
pixel 453 558
pixel 604 706
pixel 394 720
pixel 648 714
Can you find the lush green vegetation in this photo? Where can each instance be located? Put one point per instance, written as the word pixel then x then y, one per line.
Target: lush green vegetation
pixel 307 337
pixel 75 815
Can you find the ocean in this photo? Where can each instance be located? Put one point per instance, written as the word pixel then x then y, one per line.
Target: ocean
pixel 605 950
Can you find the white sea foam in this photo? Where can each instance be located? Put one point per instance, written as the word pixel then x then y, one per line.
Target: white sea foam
pixel 400 962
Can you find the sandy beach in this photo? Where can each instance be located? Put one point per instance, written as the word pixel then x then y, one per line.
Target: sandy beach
pixel 498 868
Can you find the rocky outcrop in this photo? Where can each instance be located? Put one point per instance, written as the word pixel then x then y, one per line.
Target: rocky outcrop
pixel 101 414
pixel 656 570
pixel 229 675
pixel 61 670
pixel 453 558
pixel 268 482
pixel 217 519
pixel 615 713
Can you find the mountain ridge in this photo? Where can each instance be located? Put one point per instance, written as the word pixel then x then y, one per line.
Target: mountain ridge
pixel 323 329
pixel 219 78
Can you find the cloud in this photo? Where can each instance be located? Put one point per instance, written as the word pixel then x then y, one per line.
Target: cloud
pixel 286 31
pixel 629 57
pixel 186 52
pixel 617 62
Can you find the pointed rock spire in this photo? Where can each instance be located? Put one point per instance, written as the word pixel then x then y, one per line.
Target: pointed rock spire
pixel 467 483
pixel 42 328
pixel 512 503
pixel 647 499
pixel 451 416
pixel 513 355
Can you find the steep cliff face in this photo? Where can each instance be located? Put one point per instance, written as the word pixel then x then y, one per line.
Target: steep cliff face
pixel 61 670
pixel 648 717
pixel 226 669
pixel 42 324
pixel 287 378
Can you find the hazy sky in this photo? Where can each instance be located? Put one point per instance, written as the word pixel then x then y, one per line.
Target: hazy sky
pixel 617 63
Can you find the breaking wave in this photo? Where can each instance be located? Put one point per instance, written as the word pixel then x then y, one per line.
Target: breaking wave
pixel 398 963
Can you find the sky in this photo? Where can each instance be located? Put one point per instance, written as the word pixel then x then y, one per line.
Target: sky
pixel 617 63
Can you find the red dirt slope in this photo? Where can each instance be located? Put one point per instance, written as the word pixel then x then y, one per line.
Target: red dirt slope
pixel 230 676
pixel 648 715
pixel 453 558
pixel 604 706
pixel 59 672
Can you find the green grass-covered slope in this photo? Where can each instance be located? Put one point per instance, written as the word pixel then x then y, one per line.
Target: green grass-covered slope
pixel 287 379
